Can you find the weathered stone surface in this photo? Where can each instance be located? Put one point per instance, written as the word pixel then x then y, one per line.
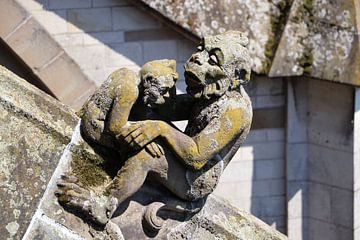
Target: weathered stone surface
pixel 217 220
pixel 33 44
pixel 258 19
pixel 320 39
pixel 34 130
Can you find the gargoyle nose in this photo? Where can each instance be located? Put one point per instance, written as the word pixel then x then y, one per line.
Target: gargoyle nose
pixel 196 58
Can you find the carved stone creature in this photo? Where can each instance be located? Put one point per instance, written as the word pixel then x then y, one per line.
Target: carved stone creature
pixel 124 96
pixel 190 163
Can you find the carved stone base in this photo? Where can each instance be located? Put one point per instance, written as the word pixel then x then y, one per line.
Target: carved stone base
pixel 141 217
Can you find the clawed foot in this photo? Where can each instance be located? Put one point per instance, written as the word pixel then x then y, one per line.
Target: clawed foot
pixel 98 209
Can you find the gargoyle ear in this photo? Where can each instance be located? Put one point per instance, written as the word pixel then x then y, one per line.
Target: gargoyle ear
pixel 175 76
pixel 242 76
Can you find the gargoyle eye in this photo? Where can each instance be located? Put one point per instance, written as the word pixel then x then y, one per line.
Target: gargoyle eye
pixel 149 78
pixel 213 59
pixel 200 48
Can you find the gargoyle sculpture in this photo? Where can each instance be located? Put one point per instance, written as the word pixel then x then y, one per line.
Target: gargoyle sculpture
pixel 131 115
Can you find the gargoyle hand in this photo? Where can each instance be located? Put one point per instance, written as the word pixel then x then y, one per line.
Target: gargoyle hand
pixel 141 134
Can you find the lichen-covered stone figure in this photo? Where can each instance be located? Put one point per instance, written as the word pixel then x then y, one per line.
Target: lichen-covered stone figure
pixel 123 97
pixel 188 164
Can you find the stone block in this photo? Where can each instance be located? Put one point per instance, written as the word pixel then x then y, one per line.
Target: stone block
pixel 356 210
pixel 91 57
pixel 331 166
pixel 185 48
pixel 272 206
pixel 266 188
pixel 320 201
pixel 123 54
pixel 35 46
pixel 298 228
pixel 275 134
pixel 11 16
pixel 97 75
pixel 70 39
pixel 33 5
pixel 269 86
pixel 159 50
pixel 357 234
pixel 297 161
pixel 339 107
pixel 269 169
pixel 238 171
pixel 249 204
pixel 34 130
pixel 54 22
pixel 233 190
pixel 298 199
pixel 181 124
pixel 65 79
pixel 276 222
pixel 103 38
pixel 256 135
pixel 297 108
pixel 68 4
pixel 130 18
pixel 181 87
pixel 265 150
pixel 46 228
pixel 110 3
pixel 269 101
pixel 342 207
pixel 89 20
pixel 151 35
pixel 180 69
pixel 324 230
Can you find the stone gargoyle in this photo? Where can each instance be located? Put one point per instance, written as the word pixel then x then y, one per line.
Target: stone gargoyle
pixel 129 119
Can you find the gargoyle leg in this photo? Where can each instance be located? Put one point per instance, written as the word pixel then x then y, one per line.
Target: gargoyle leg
pixel 131 176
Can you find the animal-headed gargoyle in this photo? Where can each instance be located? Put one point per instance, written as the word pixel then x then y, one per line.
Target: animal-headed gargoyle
pixel 131 114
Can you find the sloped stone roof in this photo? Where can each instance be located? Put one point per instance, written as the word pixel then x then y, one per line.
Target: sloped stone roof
pixel 317 38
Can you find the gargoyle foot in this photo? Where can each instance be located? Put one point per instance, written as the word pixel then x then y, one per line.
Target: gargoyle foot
pixel 73 195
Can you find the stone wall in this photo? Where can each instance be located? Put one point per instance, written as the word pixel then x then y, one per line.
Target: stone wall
pixel 320 160
pixel 34 130
pixel 102 36
pixel 356 197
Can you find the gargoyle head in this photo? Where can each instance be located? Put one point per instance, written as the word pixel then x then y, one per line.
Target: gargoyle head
pixel 221 62
pixel 158 80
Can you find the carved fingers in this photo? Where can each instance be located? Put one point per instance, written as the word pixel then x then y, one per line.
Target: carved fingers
pixel 70 192
pixel 154 149
pixel 141 134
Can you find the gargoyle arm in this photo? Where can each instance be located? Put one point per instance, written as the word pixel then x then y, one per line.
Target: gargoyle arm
pixel 124 95
pixel 197 151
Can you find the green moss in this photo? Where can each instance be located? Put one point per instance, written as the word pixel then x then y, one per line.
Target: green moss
pixel 277 25
pixel 306 60
pixel 305 14
pixel 89 168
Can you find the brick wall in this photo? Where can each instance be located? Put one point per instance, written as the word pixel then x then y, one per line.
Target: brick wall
pixel 320 166
pixel 103 35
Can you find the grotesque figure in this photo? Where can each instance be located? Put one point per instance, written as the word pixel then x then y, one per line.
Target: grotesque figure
pixel 219 121
pixel 122 98
pixel 219 117
pixel 124 92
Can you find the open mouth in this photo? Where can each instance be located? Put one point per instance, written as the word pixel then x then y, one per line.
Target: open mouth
pixel 191 79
